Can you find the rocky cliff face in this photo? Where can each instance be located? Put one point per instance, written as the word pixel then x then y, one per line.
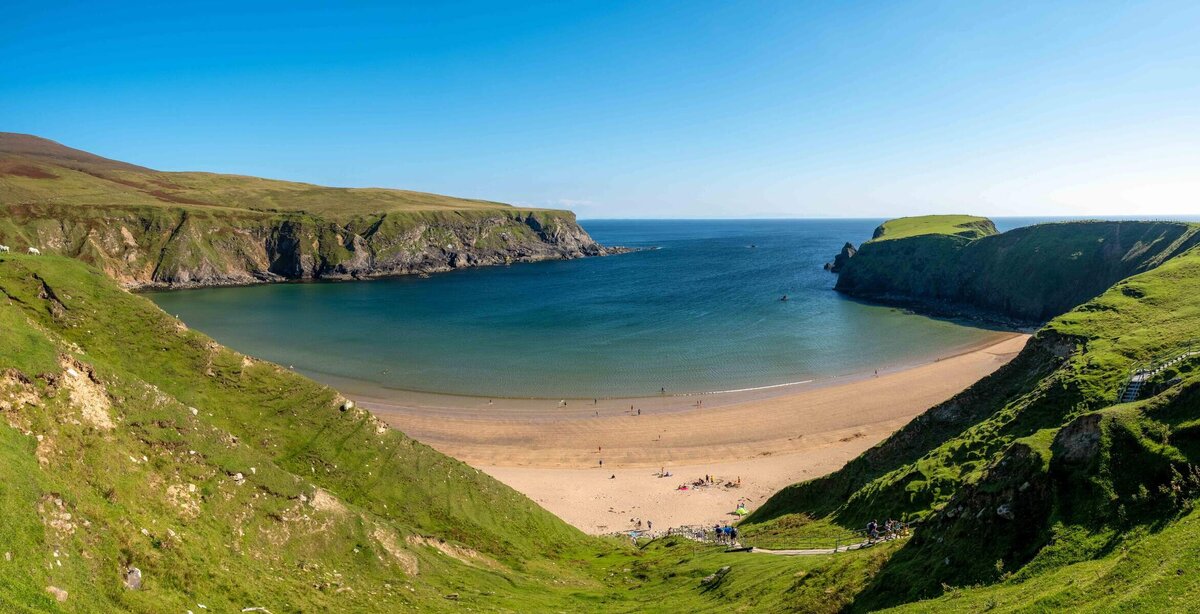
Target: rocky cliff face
pixel 840 260
pixel 156 247
pixel 1027 275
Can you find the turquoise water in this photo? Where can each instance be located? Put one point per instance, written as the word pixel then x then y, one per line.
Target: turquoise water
pixel 701 312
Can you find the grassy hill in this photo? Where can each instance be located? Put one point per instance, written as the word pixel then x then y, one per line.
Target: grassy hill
pixel 130 441
pixel 40 171
pixel 1035 489
pixel 153 228
pixel 953 265
pixel 965 226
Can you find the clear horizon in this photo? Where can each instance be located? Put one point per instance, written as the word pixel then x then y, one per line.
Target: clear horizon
pixel 640 110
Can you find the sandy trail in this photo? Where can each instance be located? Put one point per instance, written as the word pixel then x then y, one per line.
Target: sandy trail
pixel 768 439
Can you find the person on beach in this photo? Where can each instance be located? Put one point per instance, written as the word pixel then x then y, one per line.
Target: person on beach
pixel 639 412
pixel 602 462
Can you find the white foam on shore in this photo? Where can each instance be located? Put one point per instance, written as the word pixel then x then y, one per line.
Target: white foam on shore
pixel 807 381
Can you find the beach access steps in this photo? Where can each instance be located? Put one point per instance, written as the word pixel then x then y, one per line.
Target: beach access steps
pixel 1133 388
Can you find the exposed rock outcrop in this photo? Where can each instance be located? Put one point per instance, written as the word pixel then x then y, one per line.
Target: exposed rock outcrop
pixel 1027 275
pixel 840 260
pixel 150 247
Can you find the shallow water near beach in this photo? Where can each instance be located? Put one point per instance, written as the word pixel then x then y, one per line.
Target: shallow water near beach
pixel 699 312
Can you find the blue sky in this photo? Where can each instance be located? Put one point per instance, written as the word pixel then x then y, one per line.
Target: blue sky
pixel 639 109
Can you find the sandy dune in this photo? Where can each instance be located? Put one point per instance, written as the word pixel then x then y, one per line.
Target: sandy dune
pixel 767 438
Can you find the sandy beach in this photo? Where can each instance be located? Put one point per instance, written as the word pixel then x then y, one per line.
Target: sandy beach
pixel 597 463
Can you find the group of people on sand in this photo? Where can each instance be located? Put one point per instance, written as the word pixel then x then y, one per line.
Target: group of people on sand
pixel 709 480
pixel 888 530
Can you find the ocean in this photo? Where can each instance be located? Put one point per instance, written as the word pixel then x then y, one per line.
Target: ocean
pixel 698 310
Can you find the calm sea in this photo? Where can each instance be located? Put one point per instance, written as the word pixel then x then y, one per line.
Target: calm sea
pixel 699 312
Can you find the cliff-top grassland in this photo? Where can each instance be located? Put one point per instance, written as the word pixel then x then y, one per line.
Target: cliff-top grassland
pixel 181 229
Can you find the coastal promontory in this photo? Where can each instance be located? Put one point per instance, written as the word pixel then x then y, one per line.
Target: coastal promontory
pixel 960 265
pixel 148 228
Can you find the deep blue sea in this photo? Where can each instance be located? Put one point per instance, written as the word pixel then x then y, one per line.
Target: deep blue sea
pixel 700 312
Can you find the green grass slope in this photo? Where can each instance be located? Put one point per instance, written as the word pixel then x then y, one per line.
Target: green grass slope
pixel 39 171
pixel 965 226
pixel 1035 479
pixel 129 441
pixel 1028 274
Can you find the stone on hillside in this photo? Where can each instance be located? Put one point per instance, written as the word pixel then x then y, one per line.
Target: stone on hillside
pixel 715 577
pixel 59 594
pixel 133 579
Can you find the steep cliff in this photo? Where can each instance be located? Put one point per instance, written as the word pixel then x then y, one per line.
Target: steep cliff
pixel 1028 274
pixel 151 228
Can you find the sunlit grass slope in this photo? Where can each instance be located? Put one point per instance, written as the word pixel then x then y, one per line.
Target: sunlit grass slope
pixel 964 226
pixel 130 441
pixel 1037 472
pixel 38 171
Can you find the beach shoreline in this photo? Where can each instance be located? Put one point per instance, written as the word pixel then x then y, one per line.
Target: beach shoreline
pixel 599 466
pixel 385 398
